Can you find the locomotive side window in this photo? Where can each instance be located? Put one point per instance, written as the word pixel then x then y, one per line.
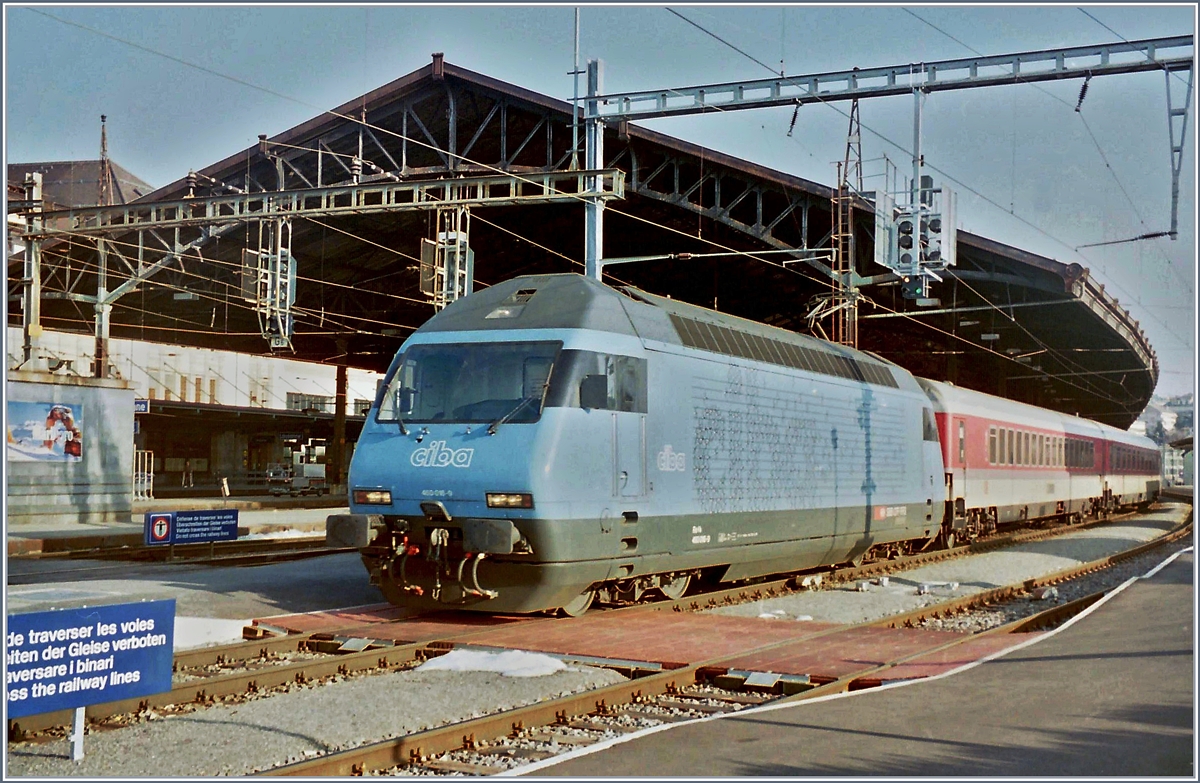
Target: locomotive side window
pixel 962 442
pixel 586 379
pixel 929 429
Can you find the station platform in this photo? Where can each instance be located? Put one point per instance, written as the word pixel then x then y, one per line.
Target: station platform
pixel 257 515
pixel 1110 695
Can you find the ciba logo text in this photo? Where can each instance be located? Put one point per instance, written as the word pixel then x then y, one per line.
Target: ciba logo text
pixel 437 455
pixel 669 459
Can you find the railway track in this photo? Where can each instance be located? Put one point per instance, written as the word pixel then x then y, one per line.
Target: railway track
pixel 66 565
pixel 494 743
pixel 207 675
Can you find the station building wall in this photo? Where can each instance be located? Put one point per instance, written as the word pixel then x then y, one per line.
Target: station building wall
pixel 172 372
pixel 213 445
pixel 75 465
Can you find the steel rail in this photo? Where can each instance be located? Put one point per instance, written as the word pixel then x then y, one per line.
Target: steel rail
pixel 775 587
pixel 208 689
pixel 418 747
pixel 118 550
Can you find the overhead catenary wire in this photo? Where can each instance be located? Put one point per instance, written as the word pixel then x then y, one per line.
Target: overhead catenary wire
pixel 1087 127
pixel 1099 149
pixel 417 141
pixel 1064 361
pixel 350 118
pixel 980 195
pixel 1091 134
pixel 302 311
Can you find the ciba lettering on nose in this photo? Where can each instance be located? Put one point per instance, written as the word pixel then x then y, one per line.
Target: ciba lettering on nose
pixel 438 455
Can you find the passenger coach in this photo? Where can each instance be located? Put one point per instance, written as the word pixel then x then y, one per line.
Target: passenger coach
pixel 1010 462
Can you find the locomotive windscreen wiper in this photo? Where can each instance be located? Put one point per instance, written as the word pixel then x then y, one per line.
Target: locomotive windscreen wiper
pixel 524 401
pixel 495 424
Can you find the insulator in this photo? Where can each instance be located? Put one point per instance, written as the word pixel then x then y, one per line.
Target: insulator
pixel 1082 93
pixel 795 114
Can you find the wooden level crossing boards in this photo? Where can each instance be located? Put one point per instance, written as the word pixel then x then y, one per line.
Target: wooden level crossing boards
pixel 824 651
pixel 846 652
pixel 663 637
pixel 384 621
pixel 335 620
pixel 942 661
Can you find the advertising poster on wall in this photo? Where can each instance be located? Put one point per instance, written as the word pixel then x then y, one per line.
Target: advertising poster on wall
pixel 44 432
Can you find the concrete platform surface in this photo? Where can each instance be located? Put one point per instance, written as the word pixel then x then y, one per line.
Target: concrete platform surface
pixel 257 517
pixel 1110 695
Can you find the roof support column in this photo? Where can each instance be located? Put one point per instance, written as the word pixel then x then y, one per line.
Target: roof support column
pixel 593 241
pixel 31 304
pixel 103 311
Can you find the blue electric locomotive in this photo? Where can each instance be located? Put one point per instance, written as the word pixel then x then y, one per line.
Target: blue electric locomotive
pixel 550 440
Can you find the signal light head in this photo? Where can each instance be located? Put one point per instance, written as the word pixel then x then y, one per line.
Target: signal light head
pixel 906 227
pixel 906 241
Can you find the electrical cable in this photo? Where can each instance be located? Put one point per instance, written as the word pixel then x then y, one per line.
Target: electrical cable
pixel 415 141
pixel 972 190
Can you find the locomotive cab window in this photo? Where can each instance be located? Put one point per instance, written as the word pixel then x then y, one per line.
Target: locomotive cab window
pixel 469 383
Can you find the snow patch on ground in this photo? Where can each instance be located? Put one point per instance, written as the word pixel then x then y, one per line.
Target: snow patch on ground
pixel 193 632
pixel 284 534
pixel 511 663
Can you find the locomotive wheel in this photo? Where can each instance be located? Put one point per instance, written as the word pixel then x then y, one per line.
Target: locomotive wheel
pixel 579 605
pixel 675 588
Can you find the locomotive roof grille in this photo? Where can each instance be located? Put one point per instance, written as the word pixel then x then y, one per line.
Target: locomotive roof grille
pixel 732 342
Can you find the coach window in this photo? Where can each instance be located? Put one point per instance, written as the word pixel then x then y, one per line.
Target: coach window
pixel 962 443
pixel 991 445
pixel 1010 448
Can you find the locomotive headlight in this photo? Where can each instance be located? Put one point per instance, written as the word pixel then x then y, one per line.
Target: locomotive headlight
pixel 509 500
pixel 373 497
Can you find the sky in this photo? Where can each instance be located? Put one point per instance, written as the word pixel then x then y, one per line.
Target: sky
pixel 1030 171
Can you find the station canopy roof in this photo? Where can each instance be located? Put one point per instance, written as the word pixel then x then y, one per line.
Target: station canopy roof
pixel 1007 322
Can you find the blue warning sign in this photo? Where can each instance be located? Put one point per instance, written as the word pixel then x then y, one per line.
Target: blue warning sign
pixel 191 527
pixel 68 658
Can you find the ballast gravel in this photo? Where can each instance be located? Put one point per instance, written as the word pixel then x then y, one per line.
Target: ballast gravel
pixel 310 720
pixel 303 723
pixel 963 576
